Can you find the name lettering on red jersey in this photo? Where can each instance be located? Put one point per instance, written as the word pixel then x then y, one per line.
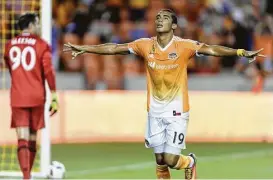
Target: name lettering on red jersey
pixel 29 41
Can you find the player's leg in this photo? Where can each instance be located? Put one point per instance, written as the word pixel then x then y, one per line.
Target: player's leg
pixel 267 67
pixel 32 147
pixel 36 122
pixel 162 169
pixel 258 78
pixel 23 153
pixel 175 160
pixel 176 133
pixel 20 121
pixel 263 69
pixel 241 66
pixel 155 138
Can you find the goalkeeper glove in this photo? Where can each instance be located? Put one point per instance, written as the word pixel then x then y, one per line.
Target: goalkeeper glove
pixel 54 104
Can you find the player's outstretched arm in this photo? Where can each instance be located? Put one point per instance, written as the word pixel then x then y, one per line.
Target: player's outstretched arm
pixel 104 49
pixel 215 50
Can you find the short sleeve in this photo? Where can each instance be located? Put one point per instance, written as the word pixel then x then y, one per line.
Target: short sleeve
pixel 191 46
pixel 139 46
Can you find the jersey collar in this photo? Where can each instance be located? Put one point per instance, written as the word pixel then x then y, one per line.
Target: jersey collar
pixel 166 47
pixel 25 34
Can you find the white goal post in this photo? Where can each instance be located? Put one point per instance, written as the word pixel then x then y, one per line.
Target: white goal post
pixel 45 154
pixel 46 23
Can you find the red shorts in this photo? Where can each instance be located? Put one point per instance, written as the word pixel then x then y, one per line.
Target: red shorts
pixel 32 117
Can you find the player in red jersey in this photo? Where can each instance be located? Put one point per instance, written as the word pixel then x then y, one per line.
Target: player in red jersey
pixel 28 59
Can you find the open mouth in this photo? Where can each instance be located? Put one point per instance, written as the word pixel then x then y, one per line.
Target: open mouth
pixel 159 26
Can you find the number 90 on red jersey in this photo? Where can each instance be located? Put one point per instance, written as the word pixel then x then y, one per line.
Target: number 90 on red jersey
pixel 28 59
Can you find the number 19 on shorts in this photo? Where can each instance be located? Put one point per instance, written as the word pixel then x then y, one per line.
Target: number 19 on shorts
pixel 178 138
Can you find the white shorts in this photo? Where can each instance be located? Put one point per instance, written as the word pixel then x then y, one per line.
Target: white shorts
pixel 167 131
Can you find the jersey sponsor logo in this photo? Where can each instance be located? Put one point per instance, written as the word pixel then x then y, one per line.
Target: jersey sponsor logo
pixel 176 113
pixel 172 56
pixel 153 65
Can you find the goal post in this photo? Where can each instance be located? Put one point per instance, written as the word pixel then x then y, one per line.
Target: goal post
pixel 9 166
pixel 46 18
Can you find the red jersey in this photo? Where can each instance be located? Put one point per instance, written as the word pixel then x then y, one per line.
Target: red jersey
pixel 28 58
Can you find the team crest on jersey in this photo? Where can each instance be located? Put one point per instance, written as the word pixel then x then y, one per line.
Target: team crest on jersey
pixel 172 56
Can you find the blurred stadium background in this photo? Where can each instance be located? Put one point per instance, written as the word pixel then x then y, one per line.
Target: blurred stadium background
pixel 99 130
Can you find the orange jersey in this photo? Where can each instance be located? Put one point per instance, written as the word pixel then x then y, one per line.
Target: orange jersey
pixel 166 73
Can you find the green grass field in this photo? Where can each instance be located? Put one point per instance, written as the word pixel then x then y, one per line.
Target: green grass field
pixel 134 161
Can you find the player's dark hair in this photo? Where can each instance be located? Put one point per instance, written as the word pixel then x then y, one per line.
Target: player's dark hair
pixel 173 15
pixel 26 19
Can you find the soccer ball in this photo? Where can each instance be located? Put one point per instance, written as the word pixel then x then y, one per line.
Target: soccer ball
pixel 56 170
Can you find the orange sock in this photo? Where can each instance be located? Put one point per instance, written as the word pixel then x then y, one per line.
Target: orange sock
pixel 183 162
pixel 162 172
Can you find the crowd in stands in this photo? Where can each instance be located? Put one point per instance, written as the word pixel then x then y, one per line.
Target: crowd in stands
pixel 244 24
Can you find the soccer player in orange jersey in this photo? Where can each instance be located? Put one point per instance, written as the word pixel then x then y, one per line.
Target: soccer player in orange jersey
pixel 166 58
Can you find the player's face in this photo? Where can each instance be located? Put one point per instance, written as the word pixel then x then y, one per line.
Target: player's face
pixel 163 22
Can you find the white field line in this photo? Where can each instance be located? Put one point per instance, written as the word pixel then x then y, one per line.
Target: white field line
pixel 144 165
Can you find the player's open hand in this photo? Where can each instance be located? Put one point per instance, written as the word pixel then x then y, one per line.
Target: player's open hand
pixel 54 104
pixel 76 49
pixel 251 55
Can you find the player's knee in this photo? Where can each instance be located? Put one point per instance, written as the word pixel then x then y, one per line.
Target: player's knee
pixel 22 133
pixel 159 159
pixel 33 135
pixel 170 159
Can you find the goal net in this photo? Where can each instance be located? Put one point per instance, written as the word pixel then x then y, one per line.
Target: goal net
pixel 10 10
